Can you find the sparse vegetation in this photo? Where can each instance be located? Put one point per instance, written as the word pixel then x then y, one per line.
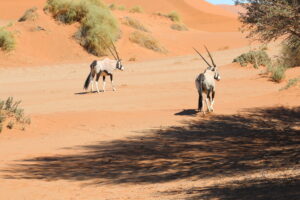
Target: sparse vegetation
pixel 135 24
pixel 112 6
pixel 291 52
pixel 29 14
pixel 147 41
pixel 121 7
pixel 179 27
pixel 7 40
pixel 97 22
pixel 174 16
pixel 136 9
pixel 256 58
pixel 132 59
pixel 291 83
pixel 9 110
pixel 278 72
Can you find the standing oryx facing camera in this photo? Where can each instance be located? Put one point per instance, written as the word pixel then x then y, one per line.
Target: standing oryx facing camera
pixel 104 68
pixel 205 82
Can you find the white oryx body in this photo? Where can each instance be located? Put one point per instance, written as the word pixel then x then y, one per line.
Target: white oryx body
pixel 102 68
pixel 205 83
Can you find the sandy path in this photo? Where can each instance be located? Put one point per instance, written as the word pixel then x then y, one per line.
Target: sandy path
pixel 100 146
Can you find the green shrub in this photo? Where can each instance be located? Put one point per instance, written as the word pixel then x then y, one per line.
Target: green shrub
pixel 257 58
pixel 98 25
pixel 29 14
pixel 291 52
pixel 174 16
pixel 121 7
pixel 179 27
pixel 291 83
pixel 147 41
pixel 278 72
pixel 9 109
pixel 7 40
pixel 135 24
pixel 136 9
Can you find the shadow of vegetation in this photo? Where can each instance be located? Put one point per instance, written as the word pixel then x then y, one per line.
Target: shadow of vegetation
pixel 280 189
pixel 220 145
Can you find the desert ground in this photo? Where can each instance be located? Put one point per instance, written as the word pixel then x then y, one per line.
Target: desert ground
pixel 146 140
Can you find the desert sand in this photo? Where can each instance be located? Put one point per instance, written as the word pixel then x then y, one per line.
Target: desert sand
pixel 145 140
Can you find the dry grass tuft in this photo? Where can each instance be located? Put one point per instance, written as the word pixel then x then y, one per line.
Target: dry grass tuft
pixel 147 41
pixel 179 27
pixel 7 40
pixel 136 9
pixel 135 24
pixel 29 14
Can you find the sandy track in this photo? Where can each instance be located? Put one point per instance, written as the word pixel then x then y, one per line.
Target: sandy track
pixel 79 137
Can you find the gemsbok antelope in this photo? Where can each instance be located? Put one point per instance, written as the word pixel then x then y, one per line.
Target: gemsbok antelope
pixel 205 83
pixel 104 68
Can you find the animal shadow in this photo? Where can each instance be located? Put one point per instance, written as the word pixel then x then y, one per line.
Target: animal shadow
pixel 187 112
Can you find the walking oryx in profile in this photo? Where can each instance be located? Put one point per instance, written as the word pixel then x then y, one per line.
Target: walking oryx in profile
pixel 205 83
pixel 104 68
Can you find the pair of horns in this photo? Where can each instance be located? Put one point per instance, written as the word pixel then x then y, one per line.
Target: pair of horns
pixel 212 60
pixel 113 51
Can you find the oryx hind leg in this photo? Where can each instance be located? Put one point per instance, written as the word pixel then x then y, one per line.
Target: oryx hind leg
pixel 103 83
pixel 97 82
pixel 112 82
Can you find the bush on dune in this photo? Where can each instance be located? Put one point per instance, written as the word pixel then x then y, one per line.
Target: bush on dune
pixel 136 9
pixel 147 41
pixel 7 40
pixel 256 58
pixel 135 24
pixel 98 25
pixel 29 14
pixel 179 27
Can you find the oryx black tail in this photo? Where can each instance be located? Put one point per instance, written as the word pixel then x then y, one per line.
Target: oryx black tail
pixel 90 76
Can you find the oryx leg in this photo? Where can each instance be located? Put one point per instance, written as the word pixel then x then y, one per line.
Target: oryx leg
pixel 213 100
pixel 200 101
pixel 208 102
pixel 103 84
pixel 97 84
pixel 112 82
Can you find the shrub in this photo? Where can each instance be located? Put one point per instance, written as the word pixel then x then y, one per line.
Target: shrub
pixel 136 9
pixel 29 14
pixel 147 41
pixel 291 83
pixel 257 58
pixel 135 24
pixel 291 52
pixel 9 109
pixel 121 7
pixel 278 72
pixel 174 16
pixel 179 27
pixel 7 40
pixel 98 25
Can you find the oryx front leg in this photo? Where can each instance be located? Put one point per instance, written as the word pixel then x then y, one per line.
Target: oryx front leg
pixel 97 83
pixel 208 102
pixel 212 100
pixel 112 82
pixel 103 84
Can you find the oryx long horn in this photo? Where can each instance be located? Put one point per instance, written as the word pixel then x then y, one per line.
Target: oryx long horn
pixel 114 47
pixel 202 57
pixel 108 47
pixel 212 60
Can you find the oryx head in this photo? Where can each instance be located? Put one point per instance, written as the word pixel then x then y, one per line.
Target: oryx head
pixel 212 67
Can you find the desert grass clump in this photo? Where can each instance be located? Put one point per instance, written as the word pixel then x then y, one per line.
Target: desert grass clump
pixel 147 41
pixel 277 71
pixel 7 40
pixel 291 83
pixel 256 58
pixel 97 24
pixel 121 7
pixel 179 27
pixel 9 110
pixel 135 24
pixel 174 16
pixel 112 6
pixel 29 14
pixel 136 9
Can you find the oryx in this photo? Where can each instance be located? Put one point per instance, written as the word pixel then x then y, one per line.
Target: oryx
pixel 205 82
pixel 104 68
